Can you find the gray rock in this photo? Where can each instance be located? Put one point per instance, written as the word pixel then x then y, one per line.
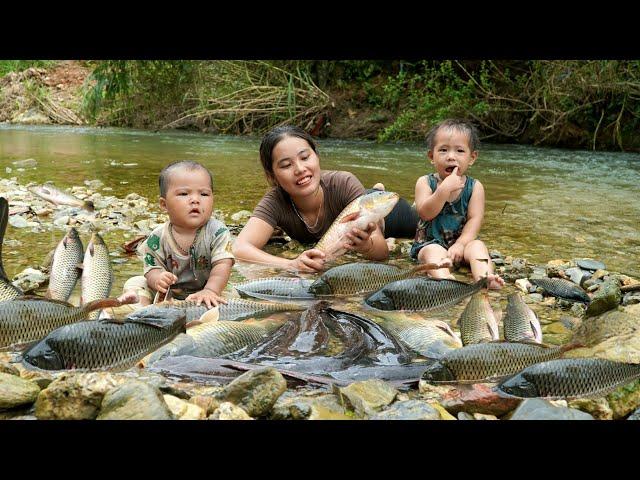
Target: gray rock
pixel 578 309
pixel 577 275
pixel 465 416
pixel 15 391
pixel 607 298
pixel 229 411
pixel 31 117
pixel 134 400
pixel 635 415
pixel 16 221
pixel 535 297
pixel 538 409
pixel 29 162
pixel 631 298
pixel 591 265
pixel 8 368
pixel 369 396
pixel 309 407
pixel 408 410
pixel 74 396
pixel 255 391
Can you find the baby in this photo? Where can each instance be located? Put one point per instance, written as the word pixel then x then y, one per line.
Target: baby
pixel 191 252
pixel 451 205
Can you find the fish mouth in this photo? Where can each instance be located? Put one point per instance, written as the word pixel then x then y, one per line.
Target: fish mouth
pixel 304 180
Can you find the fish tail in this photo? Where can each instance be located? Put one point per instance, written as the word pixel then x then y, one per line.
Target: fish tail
pixel 101 303
pixel 571 346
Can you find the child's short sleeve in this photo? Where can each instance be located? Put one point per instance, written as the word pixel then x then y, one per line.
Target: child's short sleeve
pixel 151 251
pixel 220 243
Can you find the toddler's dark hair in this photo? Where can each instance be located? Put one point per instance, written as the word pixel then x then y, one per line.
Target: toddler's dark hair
pixel 459 124
pixel 165 174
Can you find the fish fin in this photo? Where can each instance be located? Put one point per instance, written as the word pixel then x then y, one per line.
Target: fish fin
pixel 422 269
pixel 537 333
pixel 571 346
pixel 350 217
pixel 211 315
pixel 493 331
pixel 193 323
pixel 80 266
pixel 126 299
pixel 47 294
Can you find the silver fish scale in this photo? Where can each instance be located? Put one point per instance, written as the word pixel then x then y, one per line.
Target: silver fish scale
pixel 8 291
pixel 475 322
pixel 489 360
pixel 234 309
pixel 356 278
pixel 423 294
pixel 419 336
pixel 219 338
pixel 24 321
pixel 64 269
pixel 579 377
pixel 99 345
pixel 518 319
pixel 277 286
pixel 97 276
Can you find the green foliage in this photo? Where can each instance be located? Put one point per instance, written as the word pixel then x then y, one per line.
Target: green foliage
pixel 7 66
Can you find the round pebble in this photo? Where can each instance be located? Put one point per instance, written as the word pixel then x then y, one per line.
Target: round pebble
pixel 589 264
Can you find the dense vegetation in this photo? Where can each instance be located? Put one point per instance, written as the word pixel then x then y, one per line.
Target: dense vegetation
pixel 585 104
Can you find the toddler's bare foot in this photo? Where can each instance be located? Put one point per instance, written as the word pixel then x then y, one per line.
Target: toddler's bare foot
pixel 495 282
pixel 378 186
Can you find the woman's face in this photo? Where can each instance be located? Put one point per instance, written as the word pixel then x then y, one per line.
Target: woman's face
pixel 296 167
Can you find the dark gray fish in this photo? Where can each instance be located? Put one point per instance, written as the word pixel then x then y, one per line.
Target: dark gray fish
pixel 234 309
pixel 423 294
pixel 559 287
pixel 486 362
pixel 360 277
pixel 570 378
pixel 8 290
pixel 105 344
pixel 276 288
pixel 520 323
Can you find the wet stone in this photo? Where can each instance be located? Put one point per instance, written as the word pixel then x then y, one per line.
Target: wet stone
pixel 229 411
pixel 478 398
pixel 134 400
pixel 625 399
pixel 635 415
pixel 577 275
pixel 482 416
pixel 256 391
pixel 408 410
pixel 578 309
pixel 589 264
pixel 184 410
pixel 606 298
pixel 6 367
pixel 538 409
pixel 597 407
pixel 309 407
pixel 369 396
pixel 15 391
pixel 631 298
pixel 465 416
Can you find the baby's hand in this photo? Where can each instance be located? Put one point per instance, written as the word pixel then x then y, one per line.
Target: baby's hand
pixel 456 252
pixel 164 281
pixel 209 297
pixel 453 183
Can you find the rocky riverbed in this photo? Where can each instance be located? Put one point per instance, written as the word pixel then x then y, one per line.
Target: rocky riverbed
pixel 608 328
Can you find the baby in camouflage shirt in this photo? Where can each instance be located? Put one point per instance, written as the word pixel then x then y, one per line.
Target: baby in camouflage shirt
pixel 191 253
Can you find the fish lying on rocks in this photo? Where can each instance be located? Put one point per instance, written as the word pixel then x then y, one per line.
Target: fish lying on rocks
pixel 107 344
pixel 569 378
pixel 214 339
pixel 487 362
pixel 28 319
pixel 65 267
pixel 276 288
pixel 8 290
pixel 478 323
pixel 361 277
pixel 423 294
pixel 369 208
pixel 429 338
pixel 58 197
pixel 97 274
pixel 520 323
pixel 559 287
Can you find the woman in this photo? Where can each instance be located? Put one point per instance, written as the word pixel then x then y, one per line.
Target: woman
pixel 303 202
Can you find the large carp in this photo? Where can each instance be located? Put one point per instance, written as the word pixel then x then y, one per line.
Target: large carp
pixel 65 267
pixel 570 378
pixel 58 197
pixel 8 290
pixel 368 208
pixel 276 288
pixel 520 323
pixel 487 362
pixel 97 274
pixel 361 277
pixel 107 344
pixel 214 339
pixel 559 287
pixel 27 319
pixel 478 322
pixel 423 294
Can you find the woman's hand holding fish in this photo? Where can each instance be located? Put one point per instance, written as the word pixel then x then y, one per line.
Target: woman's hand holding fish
pixel 309 261
pixel 206 296
pixel 456 252
pixel 164 281
pixel 360 240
